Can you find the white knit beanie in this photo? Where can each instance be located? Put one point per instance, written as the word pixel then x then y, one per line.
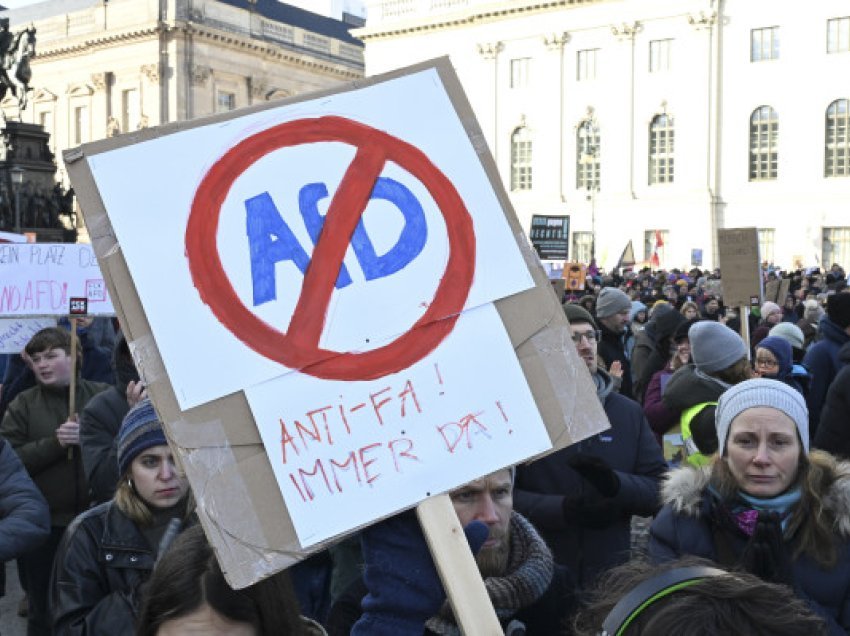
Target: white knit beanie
pixel 760 392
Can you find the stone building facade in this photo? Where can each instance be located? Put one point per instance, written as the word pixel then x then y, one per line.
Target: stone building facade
pixel 106 68
pixel 652 118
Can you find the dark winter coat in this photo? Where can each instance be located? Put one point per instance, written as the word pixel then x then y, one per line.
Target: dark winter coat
pixel 542 486
pixel 612 347
pixel 685 527
pixel 24 515
pixel 30 426
pixel 551 610
pixel 660 418
pixel 823 363
pixel 687 388
pixel 652 351
pixel 99 424
pixel 833 434
pixel 101 562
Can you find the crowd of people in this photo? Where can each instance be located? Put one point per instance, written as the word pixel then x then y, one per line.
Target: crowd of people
pixel 717 502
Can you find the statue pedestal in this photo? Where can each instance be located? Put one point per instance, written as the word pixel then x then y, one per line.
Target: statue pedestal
pixel 44 209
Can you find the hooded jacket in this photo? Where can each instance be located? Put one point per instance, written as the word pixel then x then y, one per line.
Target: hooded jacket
pixel 688 387
pixel 630 449
pixel 823 363
pixel 833 433
pixel 685 526
pixel 24 516
pixel 650 354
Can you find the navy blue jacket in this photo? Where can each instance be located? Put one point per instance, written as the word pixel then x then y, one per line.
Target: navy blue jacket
pixel 24 515
pixel 629 447
pixel 833 434
pixel 823 363
pixel 684 527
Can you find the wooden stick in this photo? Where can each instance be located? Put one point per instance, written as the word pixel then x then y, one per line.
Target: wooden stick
pixel 458 571
pixel 72 395
pixel 744 313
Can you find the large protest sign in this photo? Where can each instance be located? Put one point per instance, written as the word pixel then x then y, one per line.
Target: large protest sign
pixel 343 317
pixel 740 267
pixel 15 333
pixel 39 279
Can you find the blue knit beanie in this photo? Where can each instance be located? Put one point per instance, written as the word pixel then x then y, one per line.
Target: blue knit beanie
pixel 781 350
pixel 140 430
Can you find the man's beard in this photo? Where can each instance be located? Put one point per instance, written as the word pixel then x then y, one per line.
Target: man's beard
pixel 493 561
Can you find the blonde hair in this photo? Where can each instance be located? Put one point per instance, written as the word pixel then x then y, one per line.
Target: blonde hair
pixel 812 522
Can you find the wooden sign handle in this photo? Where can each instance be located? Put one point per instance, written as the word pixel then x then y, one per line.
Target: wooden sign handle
pixel 457 568
pixel 72 395
pixel 744 313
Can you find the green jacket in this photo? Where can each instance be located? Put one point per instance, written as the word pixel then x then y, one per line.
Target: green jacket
pixel 30 425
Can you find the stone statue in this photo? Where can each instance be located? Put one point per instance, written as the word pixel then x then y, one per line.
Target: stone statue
pixel 15 53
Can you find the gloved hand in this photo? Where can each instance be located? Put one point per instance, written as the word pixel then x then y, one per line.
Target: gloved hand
pixel 404 587
pixel 598 473
pixel 766 555
pixel 591 511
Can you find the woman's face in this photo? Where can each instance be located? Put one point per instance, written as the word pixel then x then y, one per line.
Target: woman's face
pixel 204 621
pixel 156 479
pixel 683 350
pixel 763 451
pixel 690 313
pixel 765 363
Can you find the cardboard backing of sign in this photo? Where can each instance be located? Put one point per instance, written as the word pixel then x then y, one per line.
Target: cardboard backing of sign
pixel 218 444
pixel 740 266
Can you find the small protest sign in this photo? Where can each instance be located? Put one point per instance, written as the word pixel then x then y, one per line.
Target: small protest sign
pixel 15 333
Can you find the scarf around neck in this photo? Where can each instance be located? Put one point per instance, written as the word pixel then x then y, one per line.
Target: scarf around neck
pixel 744 509
pixel 527 577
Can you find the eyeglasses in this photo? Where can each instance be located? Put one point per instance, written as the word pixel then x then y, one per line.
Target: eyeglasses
pixel 592 336
pixel 768 363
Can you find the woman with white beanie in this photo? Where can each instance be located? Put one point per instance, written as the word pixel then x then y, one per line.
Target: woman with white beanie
pixel 765 504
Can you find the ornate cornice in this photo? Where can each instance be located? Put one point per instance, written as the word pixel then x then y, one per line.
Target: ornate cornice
pixel 485 14
pixel 556 41
pixel 702 20
pixel 100 81
pixel 626 30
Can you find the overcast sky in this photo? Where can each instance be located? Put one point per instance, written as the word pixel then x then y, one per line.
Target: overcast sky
pixel 325 7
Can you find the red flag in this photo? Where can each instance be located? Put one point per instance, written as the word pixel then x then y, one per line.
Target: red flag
pixel 654 261
pixel 659 242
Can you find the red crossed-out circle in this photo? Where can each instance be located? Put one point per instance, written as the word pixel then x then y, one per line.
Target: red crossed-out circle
pixel 298 347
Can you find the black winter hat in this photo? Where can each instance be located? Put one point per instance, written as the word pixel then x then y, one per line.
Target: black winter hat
pixel 838 309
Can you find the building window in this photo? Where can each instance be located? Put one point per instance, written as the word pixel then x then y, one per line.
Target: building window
pixel 764 44
pixel 764 137
pixel 586 64
pixel 836 246
pixel 660 55
pixel 225 101
pixel 588 165
pixel 521 159
pixel 582 246
pixel 81 124
pixel 129 109
pixel 766 242
pixel 520 69
pixel 661 138
pixel 837 159
pixel 838 35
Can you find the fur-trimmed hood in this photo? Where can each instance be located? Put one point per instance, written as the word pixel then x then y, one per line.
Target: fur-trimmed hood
pixel 683 489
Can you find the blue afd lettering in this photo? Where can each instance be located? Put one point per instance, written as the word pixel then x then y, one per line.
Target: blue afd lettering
pixel 271 240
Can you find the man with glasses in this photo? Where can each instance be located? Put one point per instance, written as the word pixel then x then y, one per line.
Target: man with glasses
pixel 582 498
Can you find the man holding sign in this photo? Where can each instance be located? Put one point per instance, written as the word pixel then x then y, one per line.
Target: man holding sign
pixel 39 427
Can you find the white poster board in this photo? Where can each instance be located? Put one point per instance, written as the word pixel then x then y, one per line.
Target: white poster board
pixel 388 312
pixel 15 333
pixel 39 279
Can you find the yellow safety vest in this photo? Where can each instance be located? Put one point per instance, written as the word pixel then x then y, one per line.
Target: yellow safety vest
pixel 679 441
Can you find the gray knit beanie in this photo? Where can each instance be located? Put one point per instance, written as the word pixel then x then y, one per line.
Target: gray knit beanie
pixel 612 301
pixel 790 332
pixel 576 314
pixel 715 346
pixel 760 392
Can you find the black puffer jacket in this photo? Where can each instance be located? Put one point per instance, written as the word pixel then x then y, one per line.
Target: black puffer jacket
pixel 100 564
pixel 99 424
pixel 687 388
pixel 833 432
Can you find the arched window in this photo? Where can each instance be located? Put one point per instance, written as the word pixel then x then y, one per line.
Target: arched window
pixel 764 144
pixel 588 166
pixel 661 139
pixel 521 159
pixel 837 146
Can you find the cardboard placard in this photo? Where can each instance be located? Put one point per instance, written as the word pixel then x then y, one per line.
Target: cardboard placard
pixel 575 275
pixel 740 266
pixel 39 279
pixel 351 435
pixel 15 333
